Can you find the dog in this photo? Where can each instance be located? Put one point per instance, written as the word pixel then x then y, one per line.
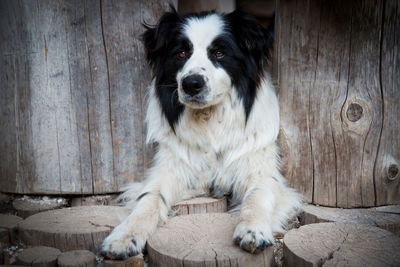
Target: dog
pixel 214 114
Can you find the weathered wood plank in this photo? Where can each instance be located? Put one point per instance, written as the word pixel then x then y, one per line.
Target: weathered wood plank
pixel 73 78
pixel 387 169
pixel 328 70
pixel 187 6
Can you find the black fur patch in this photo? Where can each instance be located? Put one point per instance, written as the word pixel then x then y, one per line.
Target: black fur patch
pixel 141 196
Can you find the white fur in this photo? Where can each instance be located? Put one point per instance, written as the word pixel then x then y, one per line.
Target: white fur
pixel 212 144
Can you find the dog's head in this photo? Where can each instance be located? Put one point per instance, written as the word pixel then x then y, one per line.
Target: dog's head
pixel 198 59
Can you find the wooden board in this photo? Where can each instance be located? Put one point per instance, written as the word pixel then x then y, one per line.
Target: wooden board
pixel 386 220
pixel 335 67
pixel 200 205
pixel 338 244
pixel 71 228
pixel 38 256
pixel 27 206
pixel 187 6
pixel 201 240
pixel 73 77
pixel 77 258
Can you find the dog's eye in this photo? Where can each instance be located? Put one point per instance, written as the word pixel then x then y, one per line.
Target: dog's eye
pixel 219 54
pixel 182 55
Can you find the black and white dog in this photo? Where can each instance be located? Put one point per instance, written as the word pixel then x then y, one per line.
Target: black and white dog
pixel 213 112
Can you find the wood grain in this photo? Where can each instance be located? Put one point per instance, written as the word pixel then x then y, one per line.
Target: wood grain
pixel 71 228
pixel 201 240
pixel 10 223
pixel 136 261
pixel 200 205
pixel 338 244
pixel 38 256
pixel 388 219
pixel 335 69
pixel 74 78
pixel 77 258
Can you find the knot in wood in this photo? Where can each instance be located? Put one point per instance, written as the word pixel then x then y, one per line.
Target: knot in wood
pixel 393 172
pixel 354 112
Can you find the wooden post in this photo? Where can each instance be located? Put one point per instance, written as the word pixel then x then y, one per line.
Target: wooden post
pixel 336 67
pixel 73 78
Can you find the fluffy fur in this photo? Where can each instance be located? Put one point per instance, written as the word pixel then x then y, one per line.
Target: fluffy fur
pixel 214 114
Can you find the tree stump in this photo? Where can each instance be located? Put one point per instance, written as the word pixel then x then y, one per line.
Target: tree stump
pixel 201 240
pixel 38 256
pixel 10 222
pixel 71 228
pixel 388 220
pixel 136 261
pixel 4 236
pixel 27 206
pixel 333 244
pixel 200 205
pixel 76 258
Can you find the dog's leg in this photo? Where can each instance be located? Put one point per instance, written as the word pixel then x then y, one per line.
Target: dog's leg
pixel 266 206
pixel 129 238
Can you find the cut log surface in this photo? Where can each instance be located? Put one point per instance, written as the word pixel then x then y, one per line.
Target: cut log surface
pixel 136 261
pixel 76 258
pixel 341 244
pixel 388 220
pixel 38 256
pixel 201 240
pixel 71 228
pixel 200 205
pixel 10 222
pixel 27 206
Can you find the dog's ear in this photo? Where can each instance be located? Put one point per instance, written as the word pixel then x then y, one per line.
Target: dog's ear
pixel 156 38
pixel 253 39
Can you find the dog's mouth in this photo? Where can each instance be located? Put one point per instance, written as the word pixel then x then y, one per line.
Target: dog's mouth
pixel 195 101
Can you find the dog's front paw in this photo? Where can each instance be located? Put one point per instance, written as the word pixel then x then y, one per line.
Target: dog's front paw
pixel 252 239
pixel 121 244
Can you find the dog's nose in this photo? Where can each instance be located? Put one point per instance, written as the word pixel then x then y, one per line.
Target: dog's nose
pixel 193 84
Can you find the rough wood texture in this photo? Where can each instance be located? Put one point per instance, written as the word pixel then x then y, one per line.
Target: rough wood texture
pixel 27 206
pixel 200 205
pixel 338 244
pixel 201 240
pixel 187 6
pixel 73 77
pixel 4 237
pixel 71 228
pixel 10 223
pixel 383 219
pixel 74 258
pixel 38 256
pixel 136 261
pixel 336 69
pixel 94 201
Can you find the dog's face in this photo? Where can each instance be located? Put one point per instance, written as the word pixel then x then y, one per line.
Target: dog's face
pixel 199 59
pixel 202 81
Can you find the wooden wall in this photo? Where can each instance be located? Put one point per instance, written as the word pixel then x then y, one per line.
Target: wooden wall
pixel 73 81
pixel 337 69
